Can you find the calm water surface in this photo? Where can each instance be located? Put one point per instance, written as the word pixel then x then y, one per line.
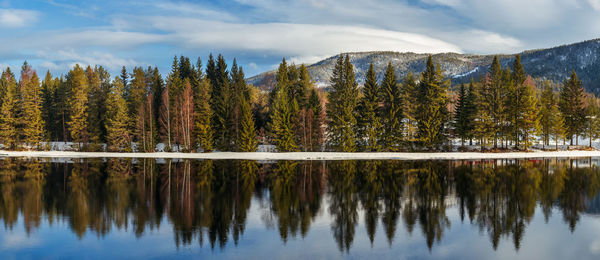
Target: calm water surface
pixel 123 208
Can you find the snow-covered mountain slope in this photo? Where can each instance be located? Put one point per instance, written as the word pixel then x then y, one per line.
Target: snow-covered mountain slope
pixel 554 64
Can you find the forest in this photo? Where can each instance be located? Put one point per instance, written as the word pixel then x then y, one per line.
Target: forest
pixel 198 108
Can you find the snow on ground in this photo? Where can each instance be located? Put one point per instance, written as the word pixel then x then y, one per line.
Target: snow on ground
pixel 307 155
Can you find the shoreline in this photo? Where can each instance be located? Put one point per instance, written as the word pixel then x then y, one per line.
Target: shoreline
pixel 303 156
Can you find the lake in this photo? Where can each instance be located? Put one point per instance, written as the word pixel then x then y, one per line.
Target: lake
pixel 147 208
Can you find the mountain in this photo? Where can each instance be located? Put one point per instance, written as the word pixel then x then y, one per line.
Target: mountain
pixel 554 64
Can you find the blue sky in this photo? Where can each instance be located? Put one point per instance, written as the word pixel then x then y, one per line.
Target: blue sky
pixel 54 34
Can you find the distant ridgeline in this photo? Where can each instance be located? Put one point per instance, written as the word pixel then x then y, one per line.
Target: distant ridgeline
pixel 204 108
pixel 554 64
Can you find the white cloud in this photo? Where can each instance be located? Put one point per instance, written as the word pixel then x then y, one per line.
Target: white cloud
pixel 66 59
pixel 295 39
pixel 17 18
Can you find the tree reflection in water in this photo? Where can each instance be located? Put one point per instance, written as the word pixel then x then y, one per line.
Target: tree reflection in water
pixel 210 201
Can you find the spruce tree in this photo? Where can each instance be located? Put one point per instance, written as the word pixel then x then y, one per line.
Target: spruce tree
pixel 391 111
pixel 549 114
pixel 369 119
pixel 78 106
pixel 529 115
pixel 203 114
pixel 572 107
pixel 409 110
pixel 221 103
pixel 32 124
pixel 432 114
pixel 117 118
pixel 247 141
pixel 9 134
pixel 341 107
pixel 316 120
pixel 592 124
pixel 281 123
pixel 471 111
pixel 461 116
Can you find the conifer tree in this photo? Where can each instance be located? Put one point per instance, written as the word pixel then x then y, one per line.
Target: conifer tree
pixel 316 118
pixel 369 119
pixel 117 118
pixel 529 115
pixel 32 124
pixel 282 113
pixel 98 81
pixel 124 78
pixel 50 114
pixel 572 107
pixel 9 134
pixel 471 111
pixel 203 113
pixel 592 123
pixel 391 111
pixel 247 141
pixel 549 114
pixel 461 116
pixel 409 110
pixel 495 100
pixel 341 108
pixel 221 103
pixel 78 109
pixel 432 114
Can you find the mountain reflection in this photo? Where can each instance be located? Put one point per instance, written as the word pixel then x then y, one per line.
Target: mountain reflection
pixel 209 202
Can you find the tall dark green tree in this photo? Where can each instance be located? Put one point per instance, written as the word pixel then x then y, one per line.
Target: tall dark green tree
pixel 221 102
pixel 283 110
pixel 549 114
pixel 341 108
pixel 391 111
pixel 432 113
pixel 572 107
pixel 117 118
pixel 462 119
pixel 203 111
pixel 369 120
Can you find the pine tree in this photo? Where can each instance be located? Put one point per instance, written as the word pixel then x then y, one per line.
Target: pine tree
pixel 282 113
pixel 341 108
pixel 471 111
pixel 592 124
pixel 221 103
pixel 124 78
pixel 432 114
pixel 78 109
pixel 50 114
pixel 117 118
pixel 9 134
pixel 461 115
pixel 369 119
pixel 247 141
pixel 32 124
pixel 96 103
pixel 316 118
pixel 548 115
pixel 572 107
pixel 203 113
pixel 409 110
pixel 391 111
pixel 495 100
pixel 529 116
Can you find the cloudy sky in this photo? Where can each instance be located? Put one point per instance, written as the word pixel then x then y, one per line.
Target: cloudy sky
pixel 55 34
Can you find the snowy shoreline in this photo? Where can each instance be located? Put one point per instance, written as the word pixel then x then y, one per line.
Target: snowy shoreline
pixel 307 155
